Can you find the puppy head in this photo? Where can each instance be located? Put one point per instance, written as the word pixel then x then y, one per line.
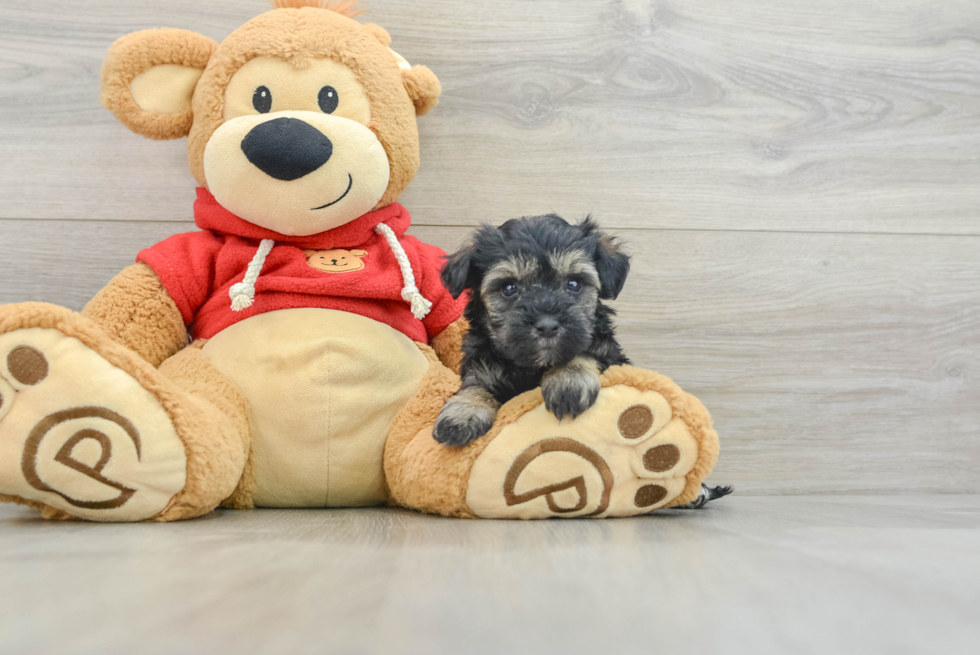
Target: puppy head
pixel 536 283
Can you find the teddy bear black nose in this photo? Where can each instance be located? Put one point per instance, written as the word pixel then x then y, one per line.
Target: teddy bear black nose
pixel 286 148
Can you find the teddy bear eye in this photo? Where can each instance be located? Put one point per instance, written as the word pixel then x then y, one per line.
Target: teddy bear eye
pixel 328 99
pixel 262 100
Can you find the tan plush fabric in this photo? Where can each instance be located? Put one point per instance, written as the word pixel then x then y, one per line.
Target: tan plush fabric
pixel 165 89
pixel 135 311
pixel 423 88
pixel 217 437
pixel 448 344
pixel 82 435
pixel 357 172
pixel 685 407
pixel 213 443
pixel 296 89
pixel 421 473
pixel 299 36
pixel 592 466
pixel 324 387
pixel 424 475
pixel 135 54
pixel 378 32
pixel 349 8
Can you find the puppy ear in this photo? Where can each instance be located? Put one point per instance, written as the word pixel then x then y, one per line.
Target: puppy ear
pixel 611 263
pixel 459 272
pixel 149 77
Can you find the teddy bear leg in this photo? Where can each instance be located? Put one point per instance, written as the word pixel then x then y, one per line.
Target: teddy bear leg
pixel 644 445
pixel 88 429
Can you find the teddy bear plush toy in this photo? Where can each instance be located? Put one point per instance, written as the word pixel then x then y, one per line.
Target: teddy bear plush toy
pixel 296 351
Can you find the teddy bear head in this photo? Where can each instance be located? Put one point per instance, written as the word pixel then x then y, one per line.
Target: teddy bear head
pixel 300 121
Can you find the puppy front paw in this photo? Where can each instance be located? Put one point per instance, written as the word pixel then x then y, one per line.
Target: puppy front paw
pixel 571 390
pixel 465 417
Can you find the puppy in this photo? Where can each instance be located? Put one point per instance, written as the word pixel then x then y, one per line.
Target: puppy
pixel 536 319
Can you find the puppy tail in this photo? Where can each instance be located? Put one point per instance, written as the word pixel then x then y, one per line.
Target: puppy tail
pixel 706 495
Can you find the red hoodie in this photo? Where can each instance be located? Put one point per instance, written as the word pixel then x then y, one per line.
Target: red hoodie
pixel 198 270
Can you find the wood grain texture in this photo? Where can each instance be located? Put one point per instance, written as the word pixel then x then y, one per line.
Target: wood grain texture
pixel 767 576
pixel 697 114
pixel 831 363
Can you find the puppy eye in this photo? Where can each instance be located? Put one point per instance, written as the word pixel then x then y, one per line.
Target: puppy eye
pixel 262 100
pixel 328 99
pixel 574 286
pixel 509 290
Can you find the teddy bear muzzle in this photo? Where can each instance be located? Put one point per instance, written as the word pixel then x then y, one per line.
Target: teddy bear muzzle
pixel 287 148
pixel 296 172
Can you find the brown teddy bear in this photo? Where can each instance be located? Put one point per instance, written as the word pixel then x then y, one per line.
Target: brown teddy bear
pixel 234 366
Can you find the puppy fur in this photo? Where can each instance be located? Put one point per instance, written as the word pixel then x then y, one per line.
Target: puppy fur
pixel 536 319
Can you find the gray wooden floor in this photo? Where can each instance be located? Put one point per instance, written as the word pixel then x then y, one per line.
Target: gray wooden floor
pixel 831 574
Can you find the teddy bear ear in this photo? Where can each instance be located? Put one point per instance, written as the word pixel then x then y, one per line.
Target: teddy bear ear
pixel 423 88
pixel 359 253
pixel 378 32
pixel 149 77
pixel 309 253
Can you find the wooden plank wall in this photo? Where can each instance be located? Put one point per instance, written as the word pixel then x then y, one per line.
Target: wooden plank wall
pixel 799 183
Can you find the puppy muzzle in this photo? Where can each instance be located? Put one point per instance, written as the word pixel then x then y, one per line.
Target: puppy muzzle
pixel 544 330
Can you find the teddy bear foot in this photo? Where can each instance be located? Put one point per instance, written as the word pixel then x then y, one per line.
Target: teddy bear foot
pixel 78 435
pixel 634 451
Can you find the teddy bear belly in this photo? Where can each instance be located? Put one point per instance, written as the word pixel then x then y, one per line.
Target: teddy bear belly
pixel 323 388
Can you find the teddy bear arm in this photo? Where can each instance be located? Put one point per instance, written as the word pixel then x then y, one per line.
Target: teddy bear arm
pixel 448 344
pixel 135 310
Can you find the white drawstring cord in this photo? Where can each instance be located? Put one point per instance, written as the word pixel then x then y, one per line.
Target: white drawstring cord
pixel 243 293
pixel 410 292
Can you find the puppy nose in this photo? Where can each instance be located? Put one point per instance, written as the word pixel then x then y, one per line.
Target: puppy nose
pixel 286 148
pixel 546 326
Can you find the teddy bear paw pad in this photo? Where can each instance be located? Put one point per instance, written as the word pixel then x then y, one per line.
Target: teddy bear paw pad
pixel 627 455
pixel 81 435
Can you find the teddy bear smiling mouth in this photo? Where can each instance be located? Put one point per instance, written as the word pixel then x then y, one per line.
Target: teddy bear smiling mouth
pixel 350 184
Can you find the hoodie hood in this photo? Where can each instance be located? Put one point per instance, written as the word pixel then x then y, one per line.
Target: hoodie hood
pixel 209 215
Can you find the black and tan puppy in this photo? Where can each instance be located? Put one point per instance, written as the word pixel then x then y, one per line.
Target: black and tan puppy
pixel 536 319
